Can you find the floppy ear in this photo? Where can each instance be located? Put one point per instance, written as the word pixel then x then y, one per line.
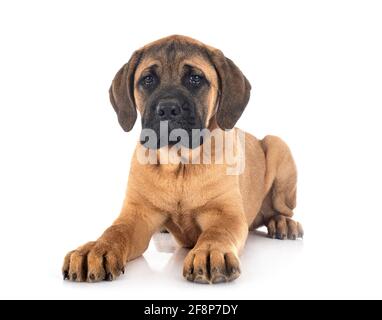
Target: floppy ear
pixel 121 93
pixel 234 90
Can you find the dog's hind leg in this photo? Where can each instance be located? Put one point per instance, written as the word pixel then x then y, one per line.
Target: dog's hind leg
pixel 280 188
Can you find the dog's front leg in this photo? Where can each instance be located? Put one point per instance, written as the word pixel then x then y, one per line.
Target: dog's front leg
pixel 215 256
pixel 125 240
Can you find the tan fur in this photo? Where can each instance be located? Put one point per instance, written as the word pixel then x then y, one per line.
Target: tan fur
pixel 203 207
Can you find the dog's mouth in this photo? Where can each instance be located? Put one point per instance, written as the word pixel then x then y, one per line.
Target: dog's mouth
pixel 169 123
pixel 166 133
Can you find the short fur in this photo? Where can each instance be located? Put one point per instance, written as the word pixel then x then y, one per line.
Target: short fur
pixel 205 209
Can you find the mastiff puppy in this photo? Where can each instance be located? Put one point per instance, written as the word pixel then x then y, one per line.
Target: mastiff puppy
pixel 184 86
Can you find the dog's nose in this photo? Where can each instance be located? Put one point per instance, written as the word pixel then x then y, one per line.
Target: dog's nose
pixel 168 110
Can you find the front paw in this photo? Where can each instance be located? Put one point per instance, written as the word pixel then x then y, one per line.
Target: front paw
pixel 92 262
pixel 211 266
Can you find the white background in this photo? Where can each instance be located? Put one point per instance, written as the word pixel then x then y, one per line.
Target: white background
pixel 316 73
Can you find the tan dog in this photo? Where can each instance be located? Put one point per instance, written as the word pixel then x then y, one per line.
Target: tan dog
pixel 190 85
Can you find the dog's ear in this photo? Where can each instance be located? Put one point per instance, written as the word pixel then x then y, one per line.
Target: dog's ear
pixel 121 93
pixel 234 90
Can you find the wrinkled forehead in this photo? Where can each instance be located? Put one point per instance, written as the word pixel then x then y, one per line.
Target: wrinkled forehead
pixel 171 58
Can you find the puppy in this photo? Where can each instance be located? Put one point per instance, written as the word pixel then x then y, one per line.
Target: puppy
pixel 206 184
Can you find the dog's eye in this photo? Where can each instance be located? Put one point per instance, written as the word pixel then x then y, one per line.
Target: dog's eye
pixel 148 80
pixel 195 80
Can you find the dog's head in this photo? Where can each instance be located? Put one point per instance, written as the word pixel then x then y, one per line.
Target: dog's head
pixel 183 82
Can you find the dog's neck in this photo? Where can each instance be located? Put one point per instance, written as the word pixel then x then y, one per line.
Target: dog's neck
pixel 219 148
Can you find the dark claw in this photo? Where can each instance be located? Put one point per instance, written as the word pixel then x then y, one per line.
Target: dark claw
pixel 92 277
pixel 190 277
pixel 109 277
pixel 65 274
pixel 123 270
pixel 74 276
pixel 280 236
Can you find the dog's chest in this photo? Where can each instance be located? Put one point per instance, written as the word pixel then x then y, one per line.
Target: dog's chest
pixel 181 193
pixel 185 189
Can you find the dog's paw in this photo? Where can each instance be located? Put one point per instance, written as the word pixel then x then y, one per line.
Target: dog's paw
pixel 92 262
pixel 282 228
pixel 211 266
